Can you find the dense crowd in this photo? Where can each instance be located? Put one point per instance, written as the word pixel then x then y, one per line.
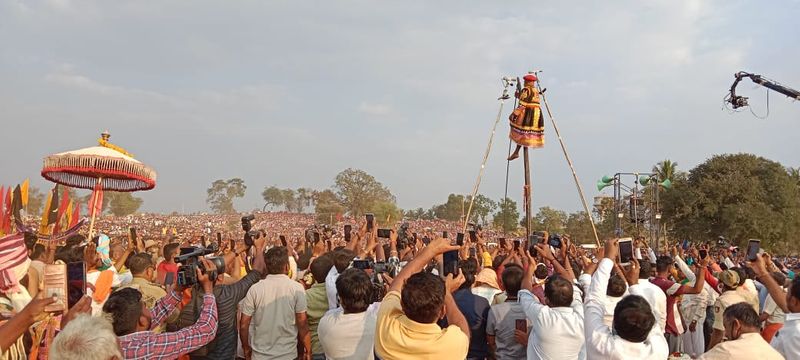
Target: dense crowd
pixel 290 289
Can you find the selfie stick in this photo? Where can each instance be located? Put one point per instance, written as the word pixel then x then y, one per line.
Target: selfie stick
pixel 507 82
pixel 569 162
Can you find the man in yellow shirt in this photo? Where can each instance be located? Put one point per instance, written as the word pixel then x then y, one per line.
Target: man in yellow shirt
pixel 406 325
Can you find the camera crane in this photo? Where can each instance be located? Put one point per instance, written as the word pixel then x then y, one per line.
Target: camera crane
pixel 739 101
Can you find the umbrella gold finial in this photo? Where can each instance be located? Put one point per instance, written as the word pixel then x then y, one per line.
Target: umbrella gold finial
pixel 105 135
pixel 103 141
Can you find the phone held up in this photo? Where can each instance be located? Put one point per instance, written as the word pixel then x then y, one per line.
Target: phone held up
pixel 625 251
pixel 450 263
pixel 753 248
pixel 76 282
pixel 347 229
pixel 384 233
pixel 370 221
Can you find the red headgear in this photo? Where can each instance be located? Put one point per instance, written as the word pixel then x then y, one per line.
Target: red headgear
pixel 530 78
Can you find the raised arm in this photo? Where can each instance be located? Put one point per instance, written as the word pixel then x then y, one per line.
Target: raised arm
pixel 775 290
pixel 436 247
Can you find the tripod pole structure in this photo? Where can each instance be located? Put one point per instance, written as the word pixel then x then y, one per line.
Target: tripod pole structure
pixel 502 100
pixel 527 192
pixel 569 162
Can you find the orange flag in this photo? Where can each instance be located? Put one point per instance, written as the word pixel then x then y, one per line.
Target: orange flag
pixel 62 209
pixel 45 214
pixel 24 188
pixel 76 216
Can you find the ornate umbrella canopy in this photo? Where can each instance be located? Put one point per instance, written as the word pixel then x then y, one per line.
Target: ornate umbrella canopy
pixel 82 168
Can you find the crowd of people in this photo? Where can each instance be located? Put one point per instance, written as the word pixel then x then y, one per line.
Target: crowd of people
pixel 174 289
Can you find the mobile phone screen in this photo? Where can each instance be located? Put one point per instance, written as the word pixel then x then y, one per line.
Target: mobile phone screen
pixel 521 324
pixel 384 233
pixel 370 221
pixel 502 242
pixel 472 252
pixel 76 282
pixel 753 245
pixel 133 234
pixel 460 239
pixel 444 234
pixel 473 236
pixel 361 264
pixel 703 253
pixel 283 240
pixel 625 250
pixel 347 230
pixel 532 250
pixel 450 263
pixel 55 285
pixel 516 244
pixel 169 279
pixel 219 240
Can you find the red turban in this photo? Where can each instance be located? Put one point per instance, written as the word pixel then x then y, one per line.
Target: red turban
pixel 530 78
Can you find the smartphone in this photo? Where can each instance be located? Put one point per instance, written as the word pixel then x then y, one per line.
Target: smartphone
pixel 283 240
pixel 703 253
pixel 502 242
pixel 370 221
pixel 444 234
pixel 361 264
pixel 76 282
pixel 347 229
pixel 516 244
pixel 219 240
pixel 532 250
pixel 753 246
pixel 521 325
pixel 450 263
pixel 625 251
pixel 169 279
pixel 55 285
pixel 472 252
pixel 133 234
pixel 460 239
pixel 473 236
pixel 426 240
pixel 384 233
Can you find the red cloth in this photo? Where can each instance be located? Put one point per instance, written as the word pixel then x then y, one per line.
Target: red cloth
pixel 164 268
pixel 672 290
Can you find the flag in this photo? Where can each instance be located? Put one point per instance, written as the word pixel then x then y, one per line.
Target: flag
pixel 45 210
pixel 52 211
pixel 24 189
pixel 16 203
pixel 76 216
pixel 62 210
pixel 2 211
pixel 7 212
pixel 68 215
pixel 96 201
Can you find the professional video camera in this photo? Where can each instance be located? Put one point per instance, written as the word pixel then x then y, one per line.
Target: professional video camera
pixel 189 258
pixel 249 233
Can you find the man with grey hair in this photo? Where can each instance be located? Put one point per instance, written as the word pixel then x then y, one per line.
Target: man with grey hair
pixel 86 338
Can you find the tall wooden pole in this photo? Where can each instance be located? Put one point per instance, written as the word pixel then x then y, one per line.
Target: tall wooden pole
pixel 527 193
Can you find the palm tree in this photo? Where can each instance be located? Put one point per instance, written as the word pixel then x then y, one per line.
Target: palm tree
pixel 666 170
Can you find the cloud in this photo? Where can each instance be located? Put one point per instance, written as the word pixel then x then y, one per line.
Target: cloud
pixel 374 109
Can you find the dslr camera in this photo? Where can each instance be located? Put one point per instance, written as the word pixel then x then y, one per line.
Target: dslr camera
pixel 189 259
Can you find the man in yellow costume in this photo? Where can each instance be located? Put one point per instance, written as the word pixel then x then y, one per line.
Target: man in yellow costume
pixel 527 123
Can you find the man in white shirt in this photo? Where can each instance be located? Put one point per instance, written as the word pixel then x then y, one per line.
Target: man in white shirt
pixel 557 328
pixel 634 334
pixel 787 340
pixel 348 332
pixel 744 341
pixel 653 294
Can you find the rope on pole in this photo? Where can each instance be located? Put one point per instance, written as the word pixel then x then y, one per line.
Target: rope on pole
pixel 569 162
pixel 502 99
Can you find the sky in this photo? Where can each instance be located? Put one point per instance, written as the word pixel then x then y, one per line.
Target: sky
pixel 289 93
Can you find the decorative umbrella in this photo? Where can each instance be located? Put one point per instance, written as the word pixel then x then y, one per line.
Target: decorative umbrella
pixel 102 167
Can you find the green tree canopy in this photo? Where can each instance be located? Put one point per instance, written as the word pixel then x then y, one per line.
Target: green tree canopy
pixel 221 194
pixel 327 206
pixel 358 191
pixel 739 196
pixel 452 209
pixel 550 220
pixel 122 203
pixel 273 196
pixel 507 216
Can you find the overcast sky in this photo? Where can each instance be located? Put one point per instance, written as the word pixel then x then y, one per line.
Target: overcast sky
pixel 289 93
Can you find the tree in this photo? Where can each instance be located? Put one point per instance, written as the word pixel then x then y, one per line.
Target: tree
pixel 550 220
pixel 305 197
pixel 359 191
pixel 579 228
pixel 739 196
pixel 386 213
pixel 451 210
pixel 35 201
pixel 666 170
pixel 327 206
pixel 273 197
pixel 289 200
pixel 481 208
pixel 122 203
pixel 222 192
pixel 507 216
pixel 794 173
